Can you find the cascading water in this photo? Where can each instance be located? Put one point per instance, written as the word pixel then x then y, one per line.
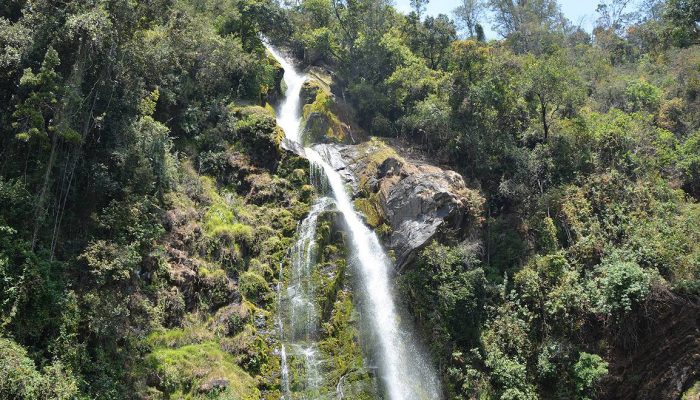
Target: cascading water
pixel 405 374
pixel 299 306
pixel 289 113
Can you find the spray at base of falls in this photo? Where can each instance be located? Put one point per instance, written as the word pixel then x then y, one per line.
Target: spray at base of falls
pixel 405 373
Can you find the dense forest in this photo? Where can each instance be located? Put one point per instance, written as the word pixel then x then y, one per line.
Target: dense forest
pixel 146 202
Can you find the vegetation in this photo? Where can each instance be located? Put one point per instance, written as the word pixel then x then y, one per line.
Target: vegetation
pixel 585 146
pixel 146 205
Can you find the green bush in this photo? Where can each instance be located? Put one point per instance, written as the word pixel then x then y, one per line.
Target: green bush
pixel 588 370
pixel 254 287
pixel 19 378
pixel 621 287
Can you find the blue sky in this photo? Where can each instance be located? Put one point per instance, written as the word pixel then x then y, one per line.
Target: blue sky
pixel 577 11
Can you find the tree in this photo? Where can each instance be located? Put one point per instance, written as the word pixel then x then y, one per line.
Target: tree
pixel 468 15
pixel 249 18
pixel 614 15
pixel 621 287
pixel 20 379
pixel 683 17
pixel 451 283
pixel 34 115
pixel 554 85
pixel 529 25
pixel 38 118
pixel 437 35
pixel 319 12
pixel 690 164
pixel 418 7
pixel 588 370
pixel 369 18
pixel 14 45
pixel 11 9
pixel 480 35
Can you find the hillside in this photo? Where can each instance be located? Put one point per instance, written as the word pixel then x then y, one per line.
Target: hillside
pixel 506 219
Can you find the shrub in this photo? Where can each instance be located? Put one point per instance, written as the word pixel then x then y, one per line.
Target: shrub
pixel 587 372
pixel 621 286
pixel 19 378
pixel 254 287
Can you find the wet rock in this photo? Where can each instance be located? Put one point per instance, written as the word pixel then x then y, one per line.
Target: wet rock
pixel 326 117
pixel 309 91
pixel 294 147
pixel 417 200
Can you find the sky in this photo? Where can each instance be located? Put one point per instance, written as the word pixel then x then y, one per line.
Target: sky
pixel 579 12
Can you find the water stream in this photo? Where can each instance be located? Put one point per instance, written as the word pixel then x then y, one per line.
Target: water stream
pixel 298 319
pixel 404 371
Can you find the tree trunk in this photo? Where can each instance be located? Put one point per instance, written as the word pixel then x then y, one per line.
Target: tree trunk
pixel 543 108
pixel 40 211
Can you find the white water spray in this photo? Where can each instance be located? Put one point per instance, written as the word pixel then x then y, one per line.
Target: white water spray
pixel 405 373
pixel 289 113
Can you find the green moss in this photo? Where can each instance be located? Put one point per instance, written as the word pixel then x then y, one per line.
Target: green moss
pixel 220 219
pixel 269 108
pixel 262 269
pixel 254 287
pixel 178 337
pixel 369 207
pixel 692 393
pixel 232 320
pixel 341 341
pixel 321 123
pixel 181 371
pixel 373 153
pixel 309 90
pixel 258 134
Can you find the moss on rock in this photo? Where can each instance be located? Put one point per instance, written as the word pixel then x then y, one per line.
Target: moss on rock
pixel 254 288
pixel 188 372
pixel 320 123
pixel 371 210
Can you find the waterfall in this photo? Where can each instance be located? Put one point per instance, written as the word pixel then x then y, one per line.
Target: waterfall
pixel 289 113
pixel 404 371
pixel 298 303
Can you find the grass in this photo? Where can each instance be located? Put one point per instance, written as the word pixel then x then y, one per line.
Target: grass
pixel 173 338
pixel 181 372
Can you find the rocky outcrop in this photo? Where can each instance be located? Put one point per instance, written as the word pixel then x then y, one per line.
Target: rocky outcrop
pixel 663 361
pixel 326 118
pixel 408 200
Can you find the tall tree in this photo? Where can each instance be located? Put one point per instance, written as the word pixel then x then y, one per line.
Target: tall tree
pixel 684 21
pixel 419 6
pixel 468 15
pixel 554 86
pixel 530 26
pixel 437 34
pixel 614 15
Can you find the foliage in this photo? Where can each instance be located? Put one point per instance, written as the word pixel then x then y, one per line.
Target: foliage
pixel 588 370
pixel 254 287
pixel 146 203
pixel 19 377
pixel 623 286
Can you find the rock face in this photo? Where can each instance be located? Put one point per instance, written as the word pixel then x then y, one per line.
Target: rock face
pixel 664 361
pixel 418 200
pixel 414 201
pixel 326 117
